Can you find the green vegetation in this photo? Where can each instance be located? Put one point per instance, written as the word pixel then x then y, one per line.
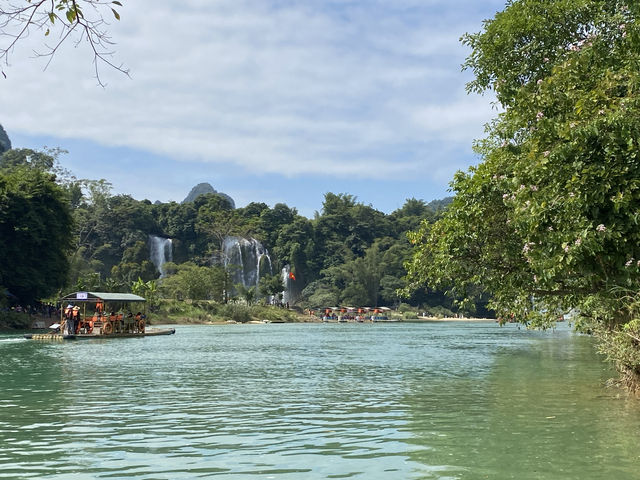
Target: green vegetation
pixel 35 226
pixel 547 223
pixel 60 234
pixel 208 311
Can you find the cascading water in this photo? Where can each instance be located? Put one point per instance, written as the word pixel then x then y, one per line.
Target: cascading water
pixel 246 260
pixel 160 251
pixel 286 280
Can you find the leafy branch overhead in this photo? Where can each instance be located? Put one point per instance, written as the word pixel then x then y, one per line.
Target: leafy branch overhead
pixel 59 21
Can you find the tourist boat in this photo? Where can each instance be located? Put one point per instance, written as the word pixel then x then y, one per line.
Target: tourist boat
pixel 85 315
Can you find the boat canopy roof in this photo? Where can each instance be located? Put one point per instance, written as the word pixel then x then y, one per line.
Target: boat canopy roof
pixel 94 297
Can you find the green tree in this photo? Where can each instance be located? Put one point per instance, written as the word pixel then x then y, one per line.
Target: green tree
pixel 548 222
pixel 148 290
pixel 35 233
pixel 271 285
pixel 195 283
pixel 28 158
pixel 320 293
pixel 248 294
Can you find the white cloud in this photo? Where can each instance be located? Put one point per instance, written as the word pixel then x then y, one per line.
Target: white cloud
pixel 340 88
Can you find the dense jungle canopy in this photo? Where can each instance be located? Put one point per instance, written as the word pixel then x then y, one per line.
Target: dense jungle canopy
pixel 73 234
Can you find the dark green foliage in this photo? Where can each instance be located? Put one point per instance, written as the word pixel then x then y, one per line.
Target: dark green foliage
pixel 350 253
pixel 271 285
pixel 35 233
pixel 27 157
pixel 193 282
pixel 548 222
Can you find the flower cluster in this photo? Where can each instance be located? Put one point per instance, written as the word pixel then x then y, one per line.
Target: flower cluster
pixel 601 228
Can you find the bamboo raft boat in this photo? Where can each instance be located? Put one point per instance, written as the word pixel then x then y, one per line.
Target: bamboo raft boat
pixel 85 317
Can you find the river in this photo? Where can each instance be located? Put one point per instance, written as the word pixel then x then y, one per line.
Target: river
pixel 316 401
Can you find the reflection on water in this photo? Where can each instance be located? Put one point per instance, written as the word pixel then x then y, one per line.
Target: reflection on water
pixel 405 401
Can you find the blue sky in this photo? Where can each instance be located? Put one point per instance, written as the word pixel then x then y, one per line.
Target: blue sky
pixel 267 100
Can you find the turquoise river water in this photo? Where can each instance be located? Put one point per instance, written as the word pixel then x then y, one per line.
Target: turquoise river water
pixel 316 401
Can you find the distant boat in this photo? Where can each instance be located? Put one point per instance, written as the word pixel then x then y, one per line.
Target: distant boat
pixel 90 315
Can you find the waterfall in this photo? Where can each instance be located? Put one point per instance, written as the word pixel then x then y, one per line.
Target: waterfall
pixel 286 280
pixel 160 251
pixel 246 260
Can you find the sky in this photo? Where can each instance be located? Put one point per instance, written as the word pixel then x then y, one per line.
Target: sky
pixel 274 101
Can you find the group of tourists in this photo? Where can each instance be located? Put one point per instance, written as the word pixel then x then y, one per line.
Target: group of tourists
pixel 109 323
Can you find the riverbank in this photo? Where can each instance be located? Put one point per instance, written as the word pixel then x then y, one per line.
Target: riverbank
pixel 295 317
pixel 209 313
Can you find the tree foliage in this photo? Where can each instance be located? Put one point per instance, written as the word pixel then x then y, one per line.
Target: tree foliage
pixel 350 253
pixel 548 221
pixel 194 282
pixel 35 232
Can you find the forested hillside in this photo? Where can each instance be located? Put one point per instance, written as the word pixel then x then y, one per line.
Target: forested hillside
pixel 89 239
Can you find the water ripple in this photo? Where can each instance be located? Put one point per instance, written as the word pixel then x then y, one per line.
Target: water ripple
pixel 310 401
